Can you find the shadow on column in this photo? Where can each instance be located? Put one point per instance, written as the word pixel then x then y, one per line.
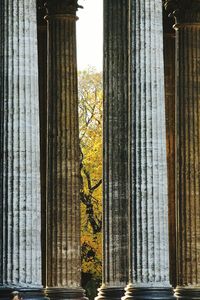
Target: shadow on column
pixel 169 66
pixel 63 256
pixel 115 153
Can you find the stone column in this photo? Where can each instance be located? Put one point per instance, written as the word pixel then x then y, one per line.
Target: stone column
pixel 169 63
pixel 187 19
pixel 20 208
pixel 63 177
pixel 148 219
pixel 42 65
pixel 115 153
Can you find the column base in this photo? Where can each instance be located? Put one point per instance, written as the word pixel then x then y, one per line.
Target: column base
pixel 110 293
pixel 187 293
pixel 149 293
pixel 25 293
pixel 66 294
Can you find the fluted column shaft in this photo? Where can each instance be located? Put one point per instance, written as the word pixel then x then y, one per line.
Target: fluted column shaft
pixel 188 166
pixel 149 261
pixel 42 68
pixel 20 209
pixel 187 148
pixel 115 154
pixel 63 188
pixel 169 62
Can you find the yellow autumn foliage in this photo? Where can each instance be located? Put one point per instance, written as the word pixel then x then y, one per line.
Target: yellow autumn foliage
pixel 90 118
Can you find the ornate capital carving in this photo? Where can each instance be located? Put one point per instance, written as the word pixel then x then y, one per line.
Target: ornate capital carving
pixel 61 7
pixel 184 11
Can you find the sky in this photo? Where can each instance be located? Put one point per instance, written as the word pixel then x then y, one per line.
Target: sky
pixel 90 34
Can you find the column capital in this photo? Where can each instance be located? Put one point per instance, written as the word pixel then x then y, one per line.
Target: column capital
pixel 184 11
pixel 61 7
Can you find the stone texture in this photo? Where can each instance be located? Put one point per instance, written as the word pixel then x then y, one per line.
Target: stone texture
pixel 187 163
pixel 169 62
pixel 115 153
pixel 149 249
pixel 20 208
pixel 42 65
pixel 63 186
pixel 187 149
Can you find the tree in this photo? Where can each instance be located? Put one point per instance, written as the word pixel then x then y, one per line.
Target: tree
pixel 90 118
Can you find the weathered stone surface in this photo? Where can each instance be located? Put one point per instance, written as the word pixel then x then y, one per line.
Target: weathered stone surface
pixel 169 62
pixel 63 186
pixel 187 133
pixel 187 156
pixel 20 212
pixel 149 260
pixel 115 154
pixel 42 65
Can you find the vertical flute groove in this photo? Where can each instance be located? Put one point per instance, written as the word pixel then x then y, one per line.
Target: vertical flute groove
pixel 20 202
pixel 169 56
pixel 188 156
pixel 115 143
pixel 63 207
pixel 115 150
pixel 149 208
